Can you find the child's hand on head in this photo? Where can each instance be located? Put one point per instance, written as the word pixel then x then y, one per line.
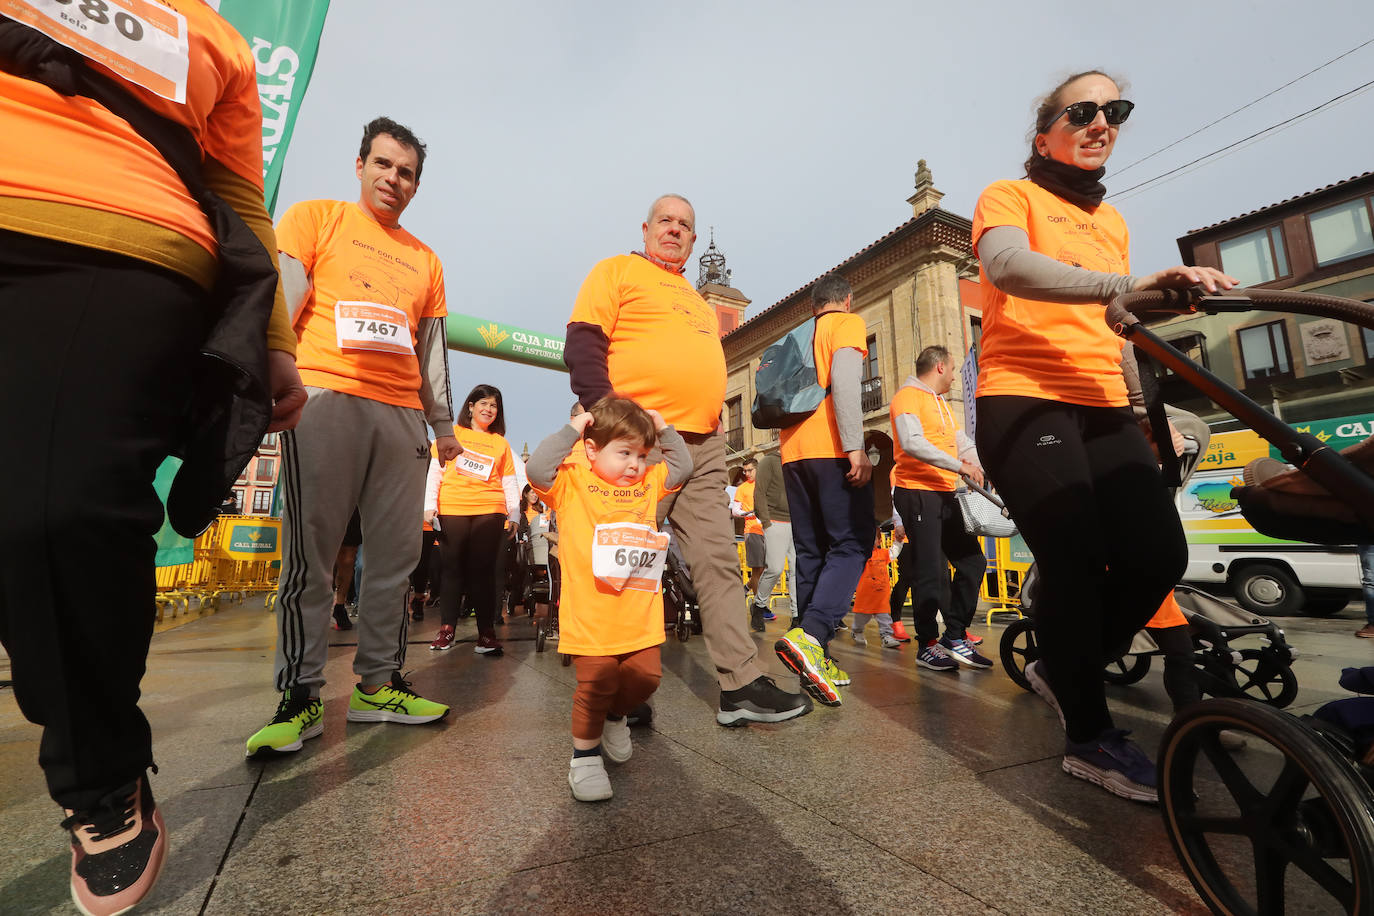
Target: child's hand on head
pixel 659 424
pixel 581 422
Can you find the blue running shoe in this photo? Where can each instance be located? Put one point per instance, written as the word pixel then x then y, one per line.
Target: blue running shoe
pixel 1115 763
pixel 962 651
pixel 934 657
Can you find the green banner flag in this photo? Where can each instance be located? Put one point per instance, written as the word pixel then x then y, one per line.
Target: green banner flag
pixel 485 337
pixel 284 37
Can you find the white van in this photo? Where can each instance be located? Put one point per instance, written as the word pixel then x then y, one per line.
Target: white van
pixel 1268 576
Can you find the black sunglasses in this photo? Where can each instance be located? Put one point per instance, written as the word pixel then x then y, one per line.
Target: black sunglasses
pixel 1081 114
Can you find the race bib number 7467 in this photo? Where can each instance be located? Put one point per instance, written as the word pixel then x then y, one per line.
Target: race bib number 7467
pixel 143 42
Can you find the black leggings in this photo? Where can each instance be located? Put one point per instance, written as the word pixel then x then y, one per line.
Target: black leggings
pixel 470 547
pixel 1086 494
pixel 421 579
pixel 906 575
pixel 1180 669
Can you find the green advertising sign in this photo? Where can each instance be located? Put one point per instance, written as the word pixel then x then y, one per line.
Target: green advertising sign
pixel 284 37
pixel 485 337
pixel 250 540
pixel 1337 432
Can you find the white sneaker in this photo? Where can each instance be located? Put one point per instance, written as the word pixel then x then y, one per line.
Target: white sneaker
pixel 588 780
pixel 615 740
pixel 1042 687
pixel 858 637
pixel 891 642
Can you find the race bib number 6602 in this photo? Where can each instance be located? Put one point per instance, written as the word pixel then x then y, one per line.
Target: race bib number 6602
pixel 143 42
pixel 627 555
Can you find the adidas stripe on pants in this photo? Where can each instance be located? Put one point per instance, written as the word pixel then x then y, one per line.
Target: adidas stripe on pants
pixel 348 451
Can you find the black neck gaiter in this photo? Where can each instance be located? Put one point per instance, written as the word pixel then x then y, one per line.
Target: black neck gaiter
pixel 1078 186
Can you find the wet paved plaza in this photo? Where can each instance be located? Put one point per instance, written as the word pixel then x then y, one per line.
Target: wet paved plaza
pixel 923 793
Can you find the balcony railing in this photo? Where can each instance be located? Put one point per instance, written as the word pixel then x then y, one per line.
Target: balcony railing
pixel 734 439
pixel 871 395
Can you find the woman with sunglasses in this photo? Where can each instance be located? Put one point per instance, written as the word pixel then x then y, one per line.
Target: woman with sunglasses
pixel 1053 427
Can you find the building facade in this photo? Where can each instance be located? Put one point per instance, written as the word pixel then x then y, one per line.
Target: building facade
pixel 1304 369
pixel 253 490
pixel 914 287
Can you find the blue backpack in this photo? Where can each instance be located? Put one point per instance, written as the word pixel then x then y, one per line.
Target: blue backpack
pixel 785 384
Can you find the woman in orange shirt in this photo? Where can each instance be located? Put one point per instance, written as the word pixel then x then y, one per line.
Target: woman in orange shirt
pixel 473 498
pixel 1053 427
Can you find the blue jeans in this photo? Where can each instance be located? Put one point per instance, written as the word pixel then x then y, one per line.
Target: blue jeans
pixel 833 529
pixel 1366 552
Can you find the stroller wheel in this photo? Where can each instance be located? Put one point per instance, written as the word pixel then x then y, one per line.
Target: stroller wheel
pixel 683 632
pixel 541 636
pixel 1018 649
pixel 1285 823
pixel 1262 676
pixel 1126 670
pixel 567 659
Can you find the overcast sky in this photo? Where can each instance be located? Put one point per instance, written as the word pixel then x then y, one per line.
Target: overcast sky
pixel 795 128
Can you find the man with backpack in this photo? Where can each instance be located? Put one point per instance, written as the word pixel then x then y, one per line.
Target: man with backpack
pixel 829 484
pixel 640 330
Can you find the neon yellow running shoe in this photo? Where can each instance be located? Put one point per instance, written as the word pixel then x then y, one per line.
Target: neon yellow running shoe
pixel 805 656
pixel 394 702
pixel 836 674
pixel 299 716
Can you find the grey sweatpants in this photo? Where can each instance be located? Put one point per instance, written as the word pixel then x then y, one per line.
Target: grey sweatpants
pixel 777 540
pixel 348 451
pixel 701 523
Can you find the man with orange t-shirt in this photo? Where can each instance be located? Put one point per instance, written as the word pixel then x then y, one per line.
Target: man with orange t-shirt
pixel 640 330
pixel 755 551
pixel 369 304
pixel 931 452
pixel 829 481
pixel 107 266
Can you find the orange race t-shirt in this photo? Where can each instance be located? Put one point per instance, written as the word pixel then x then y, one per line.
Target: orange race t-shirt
pixel 594 618
pixel 817 436
pixel 1168 615
pixel 471 484
pixel 370 287
pixel 665 350
pixel 744 495
pixel 938 427
pixel 72 150
pixel 1051 350
pixel 875 584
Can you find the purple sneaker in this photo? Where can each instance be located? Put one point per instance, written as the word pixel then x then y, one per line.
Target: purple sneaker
pixel 1115 763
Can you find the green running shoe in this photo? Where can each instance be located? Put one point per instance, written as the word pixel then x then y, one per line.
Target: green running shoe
pixel 394 702
pixel 299 716
pixel 836 674
pixel 806 658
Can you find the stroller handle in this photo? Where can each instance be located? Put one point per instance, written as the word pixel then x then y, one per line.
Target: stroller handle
pixel 1128 309
pixel 1303 450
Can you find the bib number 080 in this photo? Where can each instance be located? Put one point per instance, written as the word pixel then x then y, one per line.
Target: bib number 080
pixel 98 11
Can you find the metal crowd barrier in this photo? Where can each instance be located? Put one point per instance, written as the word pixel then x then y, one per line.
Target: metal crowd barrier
pixel 236 556
pixel 1008 561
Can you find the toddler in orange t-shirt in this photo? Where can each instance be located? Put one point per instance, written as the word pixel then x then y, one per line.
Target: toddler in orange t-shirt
pixel 611 555
pixel 872 597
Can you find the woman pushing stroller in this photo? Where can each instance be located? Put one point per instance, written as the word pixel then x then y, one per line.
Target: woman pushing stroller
pixel 1053 427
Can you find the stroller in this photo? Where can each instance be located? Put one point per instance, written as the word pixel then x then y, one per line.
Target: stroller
pixel 681 609
pixel 1291 820
pixel 1263 673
